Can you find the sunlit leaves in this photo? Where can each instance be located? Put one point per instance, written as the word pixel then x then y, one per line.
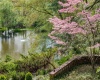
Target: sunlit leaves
pixel 7 14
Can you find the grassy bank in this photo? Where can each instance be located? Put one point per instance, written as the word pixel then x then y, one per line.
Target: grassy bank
pixel 83 72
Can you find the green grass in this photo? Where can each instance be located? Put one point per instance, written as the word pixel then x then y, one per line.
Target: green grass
pixel 83 72
pixel 3 28
pixel 17 29
pixel 64 59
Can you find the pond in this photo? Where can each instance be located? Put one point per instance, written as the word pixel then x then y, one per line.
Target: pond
pixel 14 45
pixel 20 43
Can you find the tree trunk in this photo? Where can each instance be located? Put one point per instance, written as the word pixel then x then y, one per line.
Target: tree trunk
pixel 93 64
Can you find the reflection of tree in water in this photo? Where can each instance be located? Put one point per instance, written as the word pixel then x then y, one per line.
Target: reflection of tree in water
pixel 25 45
pixel 13 45
pixel 24 34
pixel 7 46
pixel 7 34
pixel 19 44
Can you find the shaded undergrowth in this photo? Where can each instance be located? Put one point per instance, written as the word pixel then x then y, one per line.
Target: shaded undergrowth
pixel 82 72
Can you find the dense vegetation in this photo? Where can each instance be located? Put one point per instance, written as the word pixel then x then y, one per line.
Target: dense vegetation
pixel 27 13
pixel 82 38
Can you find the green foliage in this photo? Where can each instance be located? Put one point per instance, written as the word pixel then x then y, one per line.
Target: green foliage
pixel 17 75
pixel 35 61
pixel 82 72
pixel 2 77
pixel 21 13
pixel 64 59
pixel 43 29
pixel 42 77
pixel 98 72
pixel 8 58
pixel 7 67
pixel 28 13
pixel 28 76
pixel 31 63
pixel 41 72
pixel 7 17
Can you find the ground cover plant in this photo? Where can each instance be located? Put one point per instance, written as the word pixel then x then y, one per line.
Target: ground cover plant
pixel 82 72
pixel 37 64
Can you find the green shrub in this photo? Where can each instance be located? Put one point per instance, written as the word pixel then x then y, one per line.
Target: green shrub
pixel 2 67
pixel 3 77
pixel 9 66
pixel 41 72
pixel 98 72
pixel 14 76
pixel 64 59
pixel 34 62
pixel 28 76
pixel 8 58
pixel 42 77
pixel 17 75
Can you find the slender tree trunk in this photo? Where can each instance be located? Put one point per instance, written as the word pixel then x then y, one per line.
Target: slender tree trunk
pixel 51 64
pixel 93 64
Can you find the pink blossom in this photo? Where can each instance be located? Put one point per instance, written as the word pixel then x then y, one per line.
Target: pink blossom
pixel 65 26
pixel 63 4
pixel 52 37
pixel 84 13
pixel 98 11
pixel 94 18
pixel 52 32
pixel 56 21
pixel 70 9
pixel 74 2
pixel 71 26
pixel 60 42
pixel 69 2
pixel 91 18
pixel 57 40
pixel 96 46
pixel 69 6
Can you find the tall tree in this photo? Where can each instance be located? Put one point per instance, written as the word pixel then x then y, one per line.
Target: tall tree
pixel 80 27
pixel 7 17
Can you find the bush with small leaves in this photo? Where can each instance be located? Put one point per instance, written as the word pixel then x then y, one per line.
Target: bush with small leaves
pixel 17 75
pixel 28 76
pixel 98 72
pixel 3 77
pixel 9 66
pixel 8 58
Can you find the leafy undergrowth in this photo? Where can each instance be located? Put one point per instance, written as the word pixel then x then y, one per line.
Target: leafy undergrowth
pixel 83 72
pixel 36 64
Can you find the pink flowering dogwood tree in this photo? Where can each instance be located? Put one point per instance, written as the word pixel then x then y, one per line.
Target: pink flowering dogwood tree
pixel 80 26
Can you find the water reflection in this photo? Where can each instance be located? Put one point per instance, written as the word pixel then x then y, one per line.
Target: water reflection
pixel 18 43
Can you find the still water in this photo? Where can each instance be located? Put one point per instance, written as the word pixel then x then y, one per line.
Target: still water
pixel 17 44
